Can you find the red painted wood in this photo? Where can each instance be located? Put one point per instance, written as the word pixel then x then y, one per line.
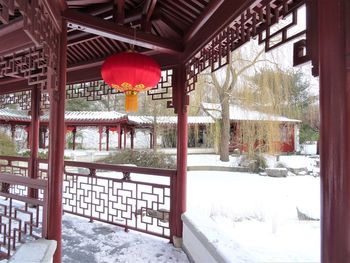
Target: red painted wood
pixel 204 17
pixel 107 139
pixel 74 132
pixel 100 138
pixel 132 133
pixel 34 134
pixel 335 130
pixel 13 38
pixel 182 138
pixel 119 131
pixel 56 149
pixel 218 21
pixel 124 132
pixel 108 29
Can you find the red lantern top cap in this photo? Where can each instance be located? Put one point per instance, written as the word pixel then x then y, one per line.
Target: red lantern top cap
pixel 130 71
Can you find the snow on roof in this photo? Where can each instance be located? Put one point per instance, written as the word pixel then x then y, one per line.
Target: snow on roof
pixel 239 113
pixel 18 115
pixel 169 119
pixel 14 115
pixel 90 116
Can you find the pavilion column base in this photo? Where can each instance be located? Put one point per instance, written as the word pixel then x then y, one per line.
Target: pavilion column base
pixel 177 241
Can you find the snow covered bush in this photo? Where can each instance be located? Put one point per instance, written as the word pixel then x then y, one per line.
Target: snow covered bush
pixel 148 158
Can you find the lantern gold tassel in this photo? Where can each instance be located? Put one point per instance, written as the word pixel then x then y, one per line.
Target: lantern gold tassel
pixel 131 101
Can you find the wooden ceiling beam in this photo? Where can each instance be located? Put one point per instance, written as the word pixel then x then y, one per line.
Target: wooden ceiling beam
pixel 119 11
pixel 203 18
pixel 12 85
pixel 218 20
pixel 93 25
pixel 13 38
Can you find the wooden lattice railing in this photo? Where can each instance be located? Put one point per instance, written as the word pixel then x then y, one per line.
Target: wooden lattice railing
pixel 131 197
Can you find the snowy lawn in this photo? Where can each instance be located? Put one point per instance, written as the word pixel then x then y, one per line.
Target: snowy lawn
pixel 256 215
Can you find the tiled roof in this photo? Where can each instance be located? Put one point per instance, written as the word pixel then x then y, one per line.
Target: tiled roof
pixel 13 115
pixel 170 119
pixel 240 114
pixel 90 116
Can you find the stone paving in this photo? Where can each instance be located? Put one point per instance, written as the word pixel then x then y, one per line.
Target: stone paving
pixel 102 243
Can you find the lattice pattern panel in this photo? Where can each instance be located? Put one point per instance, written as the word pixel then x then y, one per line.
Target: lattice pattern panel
pixel 38 24
pixel 45 101
pixel 163 90
pixel 131 204
pixel 18 223
pixel 258 20
pixel 30 64
pixel 14 167
pixel 93 90
pixel 22 98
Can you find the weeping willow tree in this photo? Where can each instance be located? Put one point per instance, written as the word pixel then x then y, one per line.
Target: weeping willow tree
pixel 272 92
pixel 225 83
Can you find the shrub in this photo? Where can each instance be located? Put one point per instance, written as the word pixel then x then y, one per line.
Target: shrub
pixel 7 146
pixel 41 154
pixel 142 158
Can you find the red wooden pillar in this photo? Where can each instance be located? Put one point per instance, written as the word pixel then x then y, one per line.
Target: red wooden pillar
pixel 334 54
pixel 28 129
pixel 119 131
pixel 132 133
pixel 100 138
pixel 151 140
pixel 74 132
pixel 13 132
pixel 34 142
pixel 124 132
pixel 181 102
pixel 107 139
pixel 56 148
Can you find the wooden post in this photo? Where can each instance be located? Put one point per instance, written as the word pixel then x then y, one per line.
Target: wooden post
pixel 119 131
pixel 181 102
pixel 13 133
pixel 132 132
pixel 107 139
pixel 100 138
pixel 56 148
pixel 334 48
pixel 34 142
pixel 151 140
pixel 74 132
pixel 124 132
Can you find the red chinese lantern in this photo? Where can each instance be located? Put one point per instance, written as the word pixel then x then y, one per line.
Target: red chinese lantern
pixel 130 72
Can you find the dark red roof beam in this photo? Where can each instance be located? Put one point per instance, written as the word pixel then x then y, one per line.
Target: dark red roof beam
pixel 13 38
pixel 119 11
pixel 108 29
pixel 218 20
pixel 203 18
pixel 147 13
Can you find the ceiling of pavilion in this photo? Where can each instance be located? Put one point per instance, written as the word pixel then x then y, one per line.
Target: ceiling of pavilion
pixel 167 19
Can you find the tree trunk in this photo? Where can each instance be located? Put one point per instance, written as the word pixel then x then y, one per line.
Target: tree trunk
pixel 225 130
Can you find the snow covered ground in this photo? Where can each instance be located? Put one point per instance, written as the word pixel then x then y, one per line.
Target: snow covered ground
pixel 255 215
pixel 102 243
pixel 255 219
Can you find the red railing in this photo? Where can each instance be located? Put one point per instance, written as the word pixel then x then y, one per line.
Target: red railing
pixel 131 197
pixel 21 218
